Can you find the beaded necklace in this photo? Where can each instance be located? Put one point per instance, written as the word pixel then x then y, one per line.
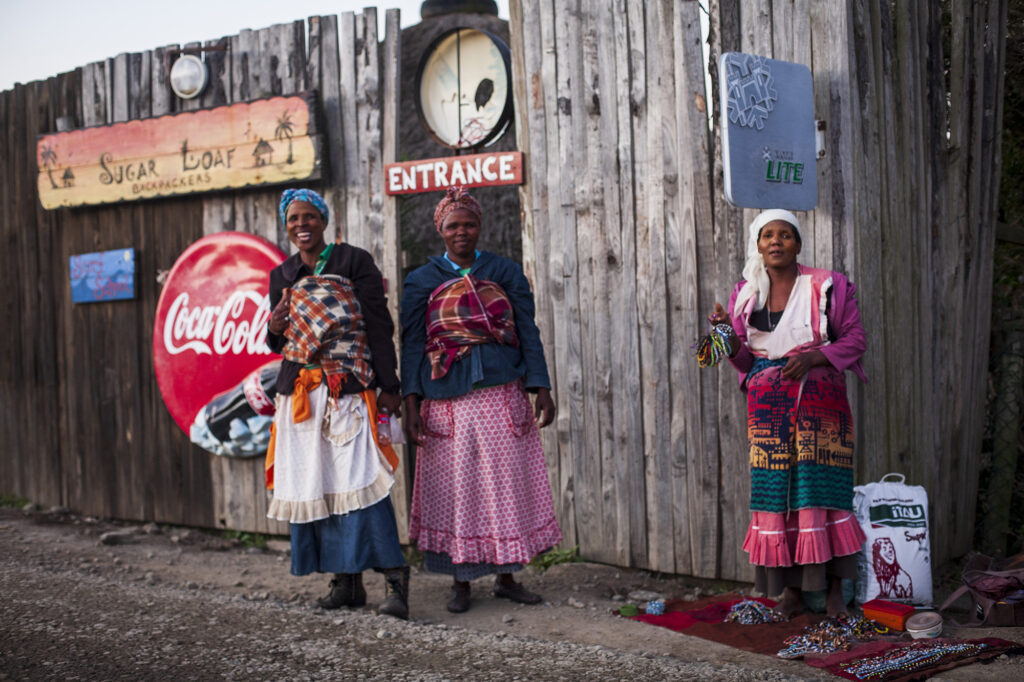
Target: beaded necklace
pixel 910 658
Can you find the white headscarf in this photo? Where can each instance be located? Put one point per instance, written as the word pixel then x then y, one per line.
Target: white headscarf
pixel 754 271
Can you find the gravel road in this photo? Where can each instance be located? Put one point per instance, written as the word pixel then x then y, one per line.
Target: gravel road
pixel 94 600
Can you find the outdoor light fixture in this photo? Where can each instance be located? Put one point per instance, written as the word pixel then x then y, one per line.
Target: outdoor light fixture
pixel 188 76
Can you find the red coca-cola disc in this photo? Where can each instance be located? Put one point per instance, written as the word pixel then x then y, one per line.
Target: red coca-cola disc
pixel 211 320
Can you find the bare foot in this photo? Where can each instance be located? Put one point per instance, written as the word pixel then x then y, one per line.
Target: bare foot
pixel 835 604
pixel 792 603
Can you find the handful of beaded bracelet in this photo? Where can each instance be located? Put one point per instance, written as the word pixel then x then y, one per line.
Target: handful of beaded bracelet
pixel 714 345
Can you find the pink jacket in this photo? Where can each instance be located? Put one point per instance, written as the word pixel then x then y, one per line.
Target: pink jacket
pixel 844 353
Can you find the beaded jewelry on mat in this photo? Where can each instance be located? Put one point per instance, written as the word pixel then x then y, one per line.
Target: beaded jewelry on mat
pixel 714 345
pixel 656 607
pixel 831 634
pixel 909 659
pixel 750 612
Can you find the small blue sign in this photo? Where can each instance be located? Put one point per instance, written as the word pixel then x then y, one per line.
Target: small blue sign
pixel 768 133
pixel 102 276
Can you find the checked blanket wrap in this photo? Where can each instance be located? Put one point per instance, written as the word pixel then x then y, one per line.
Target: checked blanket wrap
pixel 464 312
pixel 327 329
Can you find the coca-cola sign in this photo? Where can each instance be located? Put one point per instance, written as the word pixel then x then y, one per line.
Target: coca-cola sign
pixel 211 321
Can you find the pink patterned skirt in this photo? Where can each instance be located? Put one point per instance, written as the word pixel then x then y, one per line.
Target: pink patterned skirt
pixel 808 536
pixel 481 493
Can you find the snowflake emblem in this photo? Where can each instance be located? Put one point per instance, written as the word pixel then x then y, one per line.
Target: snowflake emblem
pixel 751 90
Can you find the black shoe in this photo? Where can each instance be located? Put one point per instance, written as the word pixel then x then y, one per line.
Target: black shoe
pixel 517 593
pixel 346 590
pixel 396 593
pixel 459 603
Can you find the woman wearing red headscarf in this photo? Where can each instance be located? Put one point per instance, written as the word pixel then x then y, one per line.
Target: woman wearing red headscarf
pixel 472 352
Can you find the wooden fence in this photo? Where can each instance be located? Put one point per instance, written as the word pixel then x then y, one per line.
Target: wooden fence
pixel 83 418
pixel 626 238
pixel 629 243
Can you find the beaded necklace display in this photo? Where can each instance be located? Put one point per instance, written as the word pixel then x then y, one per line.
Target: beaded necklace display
pixel 714 346
pixel 750 612
pixel 830 635
pixel 910 658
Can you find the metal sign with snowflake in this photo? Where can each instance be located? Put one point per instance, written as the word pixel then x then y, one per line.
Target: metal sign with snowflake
pixel 768 132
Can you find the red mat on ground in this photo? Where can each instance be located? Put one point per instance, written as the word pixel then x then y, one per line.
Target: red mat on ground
pixel 704 618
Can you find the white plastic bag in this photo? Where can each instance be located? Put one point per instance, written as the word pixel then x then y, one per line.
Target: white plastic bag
pixel 896 561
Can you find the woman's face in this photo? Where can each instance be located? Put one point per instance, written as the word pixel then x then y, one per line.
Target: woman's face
pixel 305 226
pixel 778 244
pixel 460 232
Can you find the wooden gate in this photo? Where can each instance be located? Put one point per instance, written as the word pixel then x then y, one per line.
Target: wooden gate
pixel 629 243
pixel 83 419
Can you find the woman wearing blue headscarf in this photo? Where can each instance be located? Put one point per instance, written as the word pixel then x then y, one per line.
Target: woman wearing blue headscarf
pixel 330 476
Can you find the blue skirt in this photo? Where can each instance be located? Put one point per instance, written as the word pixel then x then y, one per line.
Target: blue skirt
pixel 348 543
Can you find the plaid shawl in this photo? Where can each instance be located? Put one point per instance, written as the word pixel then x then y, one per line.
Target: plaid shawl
pixel 464 312
pixel 327 329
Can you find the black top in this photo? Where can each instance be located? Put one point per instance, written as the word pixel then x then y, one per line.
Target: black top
pixel 759 318
pixel 357 266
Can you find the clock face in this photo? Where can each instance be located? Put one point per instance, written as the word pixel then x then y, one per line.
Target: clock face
pixel 464 95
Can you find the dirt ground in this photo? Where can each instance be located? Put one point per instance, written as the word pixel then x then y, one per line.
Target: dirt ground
pixel 93 599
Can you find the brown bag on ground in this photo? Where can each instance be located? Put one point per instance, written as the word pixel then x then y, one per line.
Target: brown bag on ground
pixel 997 589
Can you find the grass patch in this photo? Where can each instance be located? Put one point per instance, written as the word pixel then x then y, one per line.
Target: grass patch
pixel 413 557
pixel 15 501
pixel 555 556
pixel 246 539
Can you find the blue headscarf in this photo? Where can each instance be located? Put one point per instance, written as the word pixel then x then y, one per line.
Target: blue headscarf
pixel 308 195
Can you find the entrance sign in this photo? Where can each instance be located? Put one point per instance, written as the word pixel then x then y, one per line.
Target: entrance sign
pixel 768 133
pixel 255 143
pixel 211 320
pixel 475 170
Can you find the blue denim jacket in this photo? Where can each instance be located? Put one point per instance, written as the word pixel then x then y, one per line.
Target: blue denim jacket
pixel 488 364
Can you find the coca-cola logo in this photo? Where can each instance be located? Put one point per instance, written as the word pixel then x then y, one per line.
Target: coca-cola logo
pixel 210 330
pixel 218 329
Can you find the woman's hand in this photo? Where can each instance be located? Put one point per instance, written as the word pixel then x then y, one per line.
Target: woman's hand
pixel 412 423
pixel 279 315
pixel 543 407
pixel 719 316
pixel 389 403
pixel 799 365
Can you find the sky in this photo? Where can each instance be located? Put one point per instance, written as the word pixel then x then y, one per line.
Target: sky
pixel 42 38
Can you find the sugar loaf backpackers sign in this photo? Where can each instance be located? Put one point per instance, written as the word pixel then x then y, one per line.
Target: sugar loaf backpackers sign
pixel 254 143
pixel 768 133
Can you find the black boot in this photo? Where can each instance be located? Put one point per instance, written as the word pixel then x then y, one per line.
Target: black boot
pixel 396 593
pixel 346 590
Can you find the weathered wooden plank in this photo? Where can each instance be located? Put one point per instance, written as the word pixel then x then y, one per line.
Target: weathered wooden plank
pixel 613 359
pixel 348 48
pixel 628 421
pixel 532 136
pixel 160 94
pixel 870 402
pixel 697 297
pixel 652 314
pixel 560 273
pixel 681 460
pixel 593 314
pixel 390 264
pixel 729 234
pixel 323 40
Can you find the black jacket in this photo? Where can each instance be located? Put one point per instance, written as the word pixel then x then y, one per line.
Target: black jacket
pixel 356 265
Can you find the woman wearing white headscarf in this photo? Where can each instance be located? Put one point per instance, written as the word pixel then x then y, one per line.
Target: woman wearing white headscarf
pixel 796 330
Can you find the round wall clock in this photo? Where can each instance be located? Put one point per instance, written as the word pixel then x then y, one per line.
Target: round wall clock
pixel 463 85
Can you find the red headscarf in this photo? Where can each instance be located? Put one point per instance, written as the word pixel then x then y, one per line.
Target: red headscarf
pixel 455 197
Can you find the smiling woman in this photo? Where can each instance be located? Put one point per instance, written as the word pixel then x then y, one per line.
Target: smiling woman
pixel 795 330
pixel 330 475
